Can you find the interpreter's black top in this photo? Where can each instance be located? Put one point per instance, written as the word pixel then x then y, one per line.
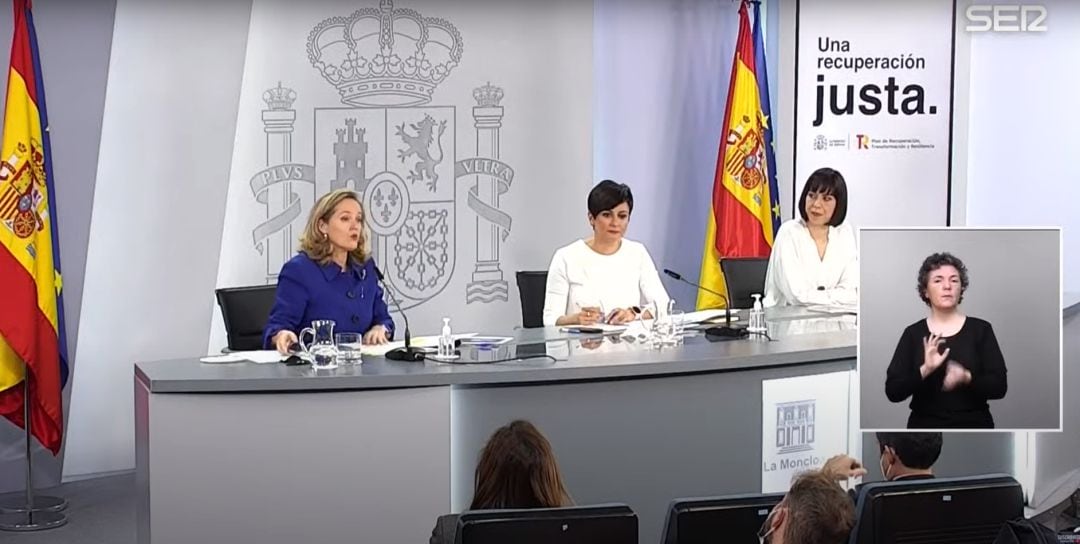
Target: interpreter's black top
pixel 976 348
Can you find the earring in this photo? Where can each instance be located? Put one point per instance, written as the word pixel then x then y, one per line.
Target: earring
pixel 325 236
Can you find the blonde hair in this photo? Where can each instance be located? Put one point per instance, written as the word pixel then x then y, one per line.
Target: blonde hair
pixel 316 244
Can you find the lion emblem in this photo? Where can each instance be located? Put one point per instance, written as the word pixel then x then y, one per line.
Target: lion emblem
pixel 420 144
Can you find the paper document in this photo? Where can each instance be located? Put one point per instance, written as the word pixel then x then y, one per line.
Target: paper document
pixel 260 357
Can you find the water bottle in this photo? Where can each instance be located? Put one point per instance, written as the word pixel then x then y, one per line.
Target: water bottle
pixel 446 340
pixel 757 316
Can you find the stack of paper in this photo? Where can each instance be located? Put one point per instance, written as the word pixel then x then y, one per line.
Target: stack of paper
pixel 263 356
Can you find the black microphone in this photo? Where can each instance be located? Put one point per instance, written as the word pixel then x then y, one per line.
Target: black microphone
pixel 407 353
pixel 727 331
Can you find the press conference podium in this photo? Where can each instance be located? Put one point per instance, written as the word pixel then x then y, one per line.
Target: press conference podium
pixel 733 519
pixel 967 510
pixel 599 524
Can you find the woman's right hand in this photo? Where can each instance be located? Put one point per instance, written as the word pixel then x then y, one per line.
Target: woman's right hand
pixel 932 360
pixel 283 339
pixel 588 315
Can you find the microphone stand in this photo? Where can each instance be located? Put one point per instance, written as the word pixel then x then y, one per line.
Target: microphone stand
pixel 726 331
pixel 407 353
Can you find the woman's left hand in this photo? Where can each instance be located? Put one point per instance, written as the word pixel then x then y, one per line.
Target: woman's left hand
pixel 955 376
pixel 376 335
pixel 621 315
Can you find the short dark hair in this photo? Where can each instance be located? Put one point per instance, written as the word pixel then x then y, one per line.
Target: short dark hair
pixel 607 194
pixel 915 450
pixel 818 511
pixel 830 182
pixel 935 262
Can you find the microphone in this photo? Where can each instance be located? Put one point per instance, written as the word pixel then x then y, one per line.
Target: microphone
pixel 727 331
pixel 407 353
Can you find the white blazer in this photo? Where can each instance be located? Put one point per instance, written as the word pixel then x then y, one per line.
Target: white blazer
pixel 797 276
pixel 580 277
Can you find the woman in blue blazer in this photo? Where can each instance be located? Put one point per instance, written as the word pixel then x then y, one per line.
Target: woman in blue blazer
pixel 332 277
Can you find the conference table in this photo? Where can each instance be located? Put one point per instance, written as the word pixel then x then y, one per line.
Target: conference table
pixel 269 453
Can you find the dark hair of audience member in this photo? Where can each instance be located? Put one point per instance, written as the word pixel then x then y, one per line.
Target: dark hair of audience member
pixel 517 469
pixel 915 450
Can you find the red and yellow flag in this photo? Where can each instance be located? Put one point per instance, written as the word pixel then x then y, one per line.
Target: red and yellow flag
pixel 31 315
pixel 745 210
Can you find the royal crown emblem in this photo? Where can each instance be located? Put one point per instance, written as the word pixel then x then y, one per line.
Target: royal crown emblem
pixel 385 56
pixel 394 148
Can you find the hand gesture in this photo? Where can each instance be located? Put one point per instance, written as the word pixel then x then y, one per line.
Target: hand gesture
pixel 282 340
pixel 376 335
pixel 955 376
pixel 841 467
pixel 931 358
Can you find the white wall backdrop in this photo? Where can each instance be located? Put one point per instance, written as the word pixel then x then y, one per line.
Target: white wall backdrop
pixel 166 141
pixel 538 56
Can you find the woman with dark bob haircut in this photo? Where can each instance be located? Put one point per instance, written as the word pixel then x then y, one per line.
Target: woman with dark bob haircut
pixel 949 364
pixel 605 278
pixel 517 469
pixel 815 260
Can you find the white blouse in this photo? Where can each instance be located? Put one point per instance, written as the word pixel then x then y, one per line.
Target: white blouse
pixel 580 277
pixel 797 276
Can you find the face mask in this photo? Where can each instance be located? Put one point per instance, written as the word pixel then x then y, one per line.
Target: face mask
pixel 766 529
pixel 884 469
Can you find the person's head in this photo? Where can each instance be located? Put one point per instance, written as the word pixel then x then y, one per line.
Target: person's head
pixel 814 511
pixel 517 469
pixel 336 222
pixel 907 453
pixel 943 279
pixel 610 204
pixel 824 198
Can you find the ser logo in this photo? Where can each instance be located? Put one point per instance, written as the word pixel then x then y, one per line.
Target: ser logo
pixel 1006 18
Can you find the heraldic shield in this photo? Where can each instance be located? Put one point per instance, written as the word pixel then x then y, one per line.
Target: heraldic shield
pixel 401 162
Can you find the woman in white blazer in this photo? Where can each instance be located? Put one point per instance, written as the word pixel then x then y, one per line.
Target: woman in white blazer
pixel 815 259
pixel 606 277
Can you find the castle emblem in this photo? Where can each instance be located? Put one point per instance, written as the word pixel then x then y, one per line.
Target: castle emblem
pixel 396 149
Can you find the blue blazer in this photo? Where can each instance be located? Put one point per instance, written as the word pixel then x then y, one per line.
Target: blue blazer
pixel 307 291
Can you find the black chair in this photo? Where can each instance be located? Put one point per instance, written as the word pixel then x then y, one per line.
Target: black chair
pixel 245 311
pixel 532 286
pixel 967 510
pixel 599 524
pixel 731 519
pixel 743 277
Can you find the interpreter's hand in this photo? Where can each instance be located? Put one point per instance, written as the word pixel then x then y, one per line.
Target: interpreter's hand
pixel 931 358
pixel 282 340
pixel 588 315
pixel 377 334
pixel 955 376
pixel 619 316
pixel 841 467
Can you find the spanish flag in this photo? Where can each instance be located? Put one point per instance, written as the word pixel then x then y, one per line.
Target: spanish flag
pixel 746 203
pixel 32 313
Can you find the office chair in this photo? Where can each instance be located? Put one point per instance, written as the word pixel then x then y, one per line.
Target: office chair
pixel 968 510
pixel 532 285
pixel 245 311
pixel 743 277
pixel 598 524
pixel 733 519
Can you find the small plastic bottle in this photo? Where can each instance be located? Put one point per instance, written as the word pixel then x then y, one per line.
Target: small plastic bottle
pixel 446 340
pixel 757 316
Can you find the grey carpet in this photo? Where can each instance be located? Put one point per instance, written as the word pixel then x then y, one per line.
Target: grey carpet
pixel 100 511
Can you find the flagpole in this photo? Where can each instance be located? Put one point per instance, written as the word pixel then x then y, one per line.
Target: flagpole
pixel 33 513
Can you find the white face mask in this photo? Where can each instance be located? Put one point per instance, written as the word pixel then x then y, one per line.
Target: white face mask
pixel 884 469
